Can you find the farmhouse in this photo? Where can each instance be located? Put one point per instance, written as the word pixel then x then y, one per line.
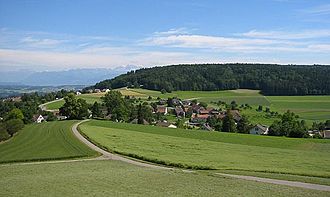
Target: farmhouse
pixel 259 130
pixel 166 124
pixel 179 111
pixel 326 134
pixel 161 109
pixel 38 118
pixel 78 93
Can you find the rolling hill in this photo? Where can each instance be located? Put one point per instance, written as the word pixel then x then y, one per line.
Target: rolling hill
pixel 271 79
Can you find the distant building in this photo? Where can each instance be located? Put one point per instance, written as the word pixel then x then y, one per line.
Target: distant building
pixel 259 130
pixel 38 118
pixel 161 110
pixel 326 134
pixel 135 121
pixel 166 124
pixel 78 93
pixel 97 90
pixel 206 127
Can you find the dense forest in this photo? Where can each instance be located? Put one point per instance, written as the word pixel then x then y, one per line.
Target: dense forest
pixel 271 79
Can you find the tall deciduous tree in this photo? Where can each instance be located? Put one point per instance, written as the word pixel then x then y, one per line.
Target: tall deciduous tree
pixel 74 108
pixel 228 124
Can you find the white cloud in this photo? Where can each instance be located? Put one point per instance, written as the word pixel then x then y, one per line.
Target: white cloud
pixel 60 60
pixel 307 34
pixel 173 31
pixel 30 41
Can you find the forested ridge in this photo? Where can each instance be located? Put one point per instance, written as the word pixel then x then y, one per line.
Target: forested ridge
pixel 271 79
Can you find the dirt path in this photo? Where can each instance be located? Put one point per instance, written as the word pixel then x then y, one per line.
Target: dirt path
pixel 280 182
pixel 109 155
pixel 44 108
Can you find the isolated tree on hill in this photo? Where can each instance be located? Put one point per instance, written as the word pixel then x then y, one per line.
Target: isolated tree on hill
pixel 228 123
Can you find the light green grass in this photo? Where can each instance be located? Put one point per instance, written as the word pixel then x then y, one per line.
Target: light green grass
pixel 45 141
pixel 307 107
pixel 198 149
pixel 113 178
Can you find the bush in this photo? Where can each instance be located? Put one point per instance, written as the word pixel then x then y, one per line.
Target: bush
pixel 13 126
pixel 3 132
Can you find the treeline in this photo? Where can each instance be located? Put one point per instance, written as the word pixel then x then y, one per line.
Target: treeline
pixel 271 79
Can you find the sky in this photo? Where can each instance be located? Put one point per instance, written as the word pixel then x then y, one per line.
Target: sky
pixel 45 35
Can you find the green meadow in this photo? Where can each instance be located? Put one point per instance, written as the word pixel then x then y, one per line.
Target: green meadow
pixel 213 150
pixel 44 141
pixel 114 178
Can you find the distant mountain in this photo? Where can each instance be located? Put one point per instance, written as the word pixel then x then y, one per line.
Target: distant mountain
pixel 57 78
pixel 271 79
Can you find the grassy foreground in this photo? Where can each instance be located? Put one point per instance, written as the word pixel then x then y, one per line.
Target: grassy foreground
pixel 45 141
pixel 198 149
pixel 113 178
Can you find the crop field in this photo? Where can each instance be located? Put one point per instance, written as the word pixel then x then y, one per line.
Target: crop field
pixel 213 150
pixel 45 141
pixel 114 178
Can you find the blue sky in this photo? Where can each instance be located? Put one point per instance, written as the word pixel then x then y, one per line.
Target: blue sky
pixel 61 34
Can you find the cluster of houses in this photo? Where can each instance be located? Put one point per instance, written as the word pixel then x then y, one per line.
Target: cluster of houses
pixel 324 133
pixel 198 115
pixel 98 90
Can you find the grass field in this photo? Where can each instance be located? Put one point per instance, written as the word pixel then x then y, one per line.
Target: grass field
pixel 307 107
pixel 215 150
pixel 113 178
pixel 45 141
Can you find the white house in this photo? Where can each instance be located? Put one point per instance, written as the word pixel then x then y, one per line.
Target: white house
pixel 259 130
pixel 38 119
pixel 78 93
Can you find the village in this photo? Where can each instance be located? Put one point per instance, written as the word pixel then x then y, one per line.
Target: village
pixel 177 113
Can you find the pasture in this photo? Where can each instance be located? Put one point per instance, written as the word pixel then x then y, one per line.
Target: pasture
pixel 45 141
pixel 114 178
pixel 213 150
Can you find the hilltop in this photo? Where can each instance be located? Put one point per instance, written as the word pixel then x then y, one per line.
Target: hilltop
pixel 271 79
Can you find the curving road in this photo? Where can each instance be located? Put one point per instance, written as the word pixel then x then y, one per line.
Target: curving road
pixel 110 156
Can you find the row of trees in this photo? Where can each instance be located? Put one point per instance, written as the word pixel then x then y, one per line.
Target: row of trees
pixel 269 78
